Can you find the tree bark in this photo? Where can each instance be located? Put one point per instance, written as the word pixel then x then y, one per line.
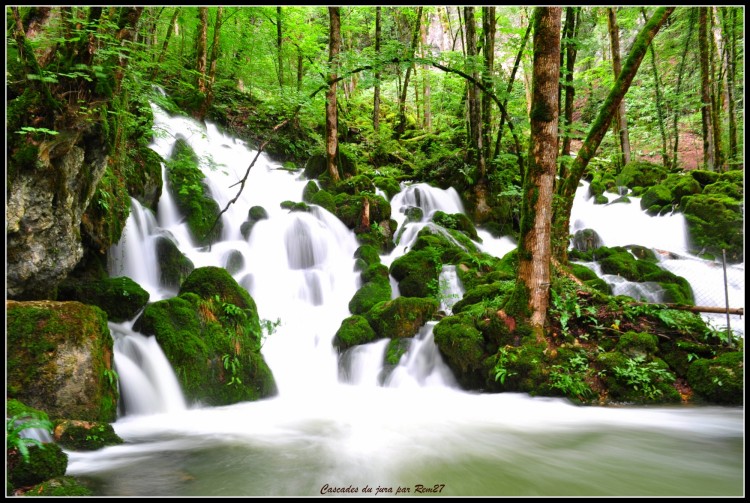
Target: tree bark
pixel 716 93
pixel 376 98
pixel 571 50
pixel 280 60
pixel 474 152
pixel 678 104
pixel 426 90
pixel 706 114
pixel 535 250
pixel 599 128
pixel 212 67
pixel 729 28
pixel 488 50
pixel 332 142
pixel 621 117
pixel 659 103
pixel 402 97
pixel 163 53
pixel 200 48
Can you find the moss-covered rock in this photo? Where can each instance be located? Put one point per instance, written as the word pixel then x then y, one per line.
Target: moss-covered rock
pixel 368 253
pixel 401 317
pixel 59 486
pixel 325 200
pixel 715 222
pixel 586 240
pixel 637 379
pixel 417 272
pixel 494 291
pixel 719 380
pixel 456 221
pixel 192 195
pixel 45 462
pixel 84 435
pixel 636 344
pixel 121 298
pixel 387 184
pixel 376 289
pixel 254 215
pixel 211 335
pixel 642 174
pixel 60 359
pixel 311 188
pixel 462 346
pixel 174 266
pixel 704 177
pixel 354 330
pixel 656 198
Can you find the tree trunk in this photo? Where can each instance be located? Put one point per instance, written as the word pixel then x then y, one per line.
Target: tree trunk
pixel 376 99
pixel 474 152
pixel 678 104
pixel 729 28
pixel 332 142
pixel 404 89
pixel 200 48
pixel 706 115
pixel 427 123
pixel 488 49
pixel 280 60
pixel 659 103
pixel 599 128
pixel 621 117
pixel 571 51
pixel 716 93
pixel 535 250
pixel 163 53
pixel 212 67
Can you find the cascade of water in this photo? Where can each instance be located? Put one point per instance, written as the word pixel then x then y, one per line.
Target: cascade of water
pixel 422 365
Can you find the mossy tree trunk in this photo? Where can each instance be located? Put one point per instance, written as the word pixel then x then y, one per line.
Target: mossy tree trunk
pixel 332 141
pixel 717 94
pixel 401 126
pixel 680 73
pixel 567 189
pixel 536 206
pixel 167 37
pixel 729 30
pixel 572 22
pixel 709 161
pixel 376 98
pixel 659 103
pixel 201 55
pixel 488 50
pixel 211 79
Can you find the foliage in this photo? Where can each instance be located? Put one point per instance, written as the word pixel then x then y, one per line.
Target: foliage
pixel 17 424
pixel 643 377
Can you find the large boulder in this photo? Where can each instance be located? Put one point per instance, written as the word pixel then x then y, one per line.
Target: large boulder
pixel 121 298
pixel 60 359
pixel 211 335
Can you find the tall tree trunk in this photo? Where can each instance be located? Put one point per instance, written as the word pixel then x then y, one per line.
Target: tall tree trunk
pixel 488 49
pixel 212 67
pixel 706 114
pixel 571 52
pixel 508 90
pixel 621 117
pixel 716 92
pixel 659 103
pixel 376 99
pixel 300 69
pixel 402 97
pixel 599 128
pixel 163 53
pixel 200 48
pixel 279 58
pixel 332 141
pixel 427 124
pixel 475 149
pixel 535 250
pixel 678 103
pixel 729 29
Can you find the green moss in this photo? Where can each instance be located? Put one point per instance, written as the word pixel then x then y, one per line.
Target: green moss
pixel 85 435
pixel 715 223
pixel 45 462
pixel 121 298
pixel 463 348
pixel 368 253
pixel 59 486
pixel 388 185
pixel 401 317
pixel 456 221
pixel 372 292
pixel 173 264
pixel 704 177
pixel 642 174
pixel 658 195
pixel 311 188
pixel 395 350
pixel 192 195
pixel 637 343
pixel 325 200
pixel 720 380
pixel 355 185
pixel 354 330
pixel 416 272
pixel 494 291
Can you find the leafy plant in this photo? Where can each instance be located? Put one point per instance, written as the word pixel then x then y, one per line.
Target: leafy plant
pixel 570 378
pixel 233 364
pixel 16 425
pixel 501 369
pixel 643 377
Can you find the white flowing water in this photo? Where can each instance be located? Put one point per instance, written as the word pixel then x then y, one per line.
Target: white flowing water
pixel 349 424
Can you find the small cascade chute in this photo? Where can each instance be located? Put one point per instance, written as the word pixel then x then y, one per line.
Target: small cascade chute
pixel 422 365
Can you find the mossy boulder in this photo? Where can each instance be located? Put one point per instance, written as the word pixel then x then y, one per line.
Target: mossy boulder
pixel 494 291
pixel 84 435
pixel 376 289
pixel 355 185
pixel 174 266
pixel 191 194
pixel 715 222
pixel 45 462
pixel 456 221
pixel 719 380
pixel 254 215
pixel 121 298
pixel 59 357
pixel 417 272
pixel 401 317
pixel 463 348
pixel 636 344
pixel 354 330
pixel 311 188
pixel 704 177
pixel 642 174
pixel 656 199
pixel 59 486
pixel 234 261
pixel 586 240
pixel 387 184
pixel 368 254
pixel 211 335
pixel 325 200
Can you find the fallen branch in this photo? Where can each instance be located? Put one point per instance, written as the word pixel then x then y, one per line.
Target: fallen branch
pixel 700 309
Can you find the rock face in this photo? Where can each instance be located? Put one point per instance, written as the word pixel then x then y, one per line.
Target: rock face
pixel 44 210
pixel 60 359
